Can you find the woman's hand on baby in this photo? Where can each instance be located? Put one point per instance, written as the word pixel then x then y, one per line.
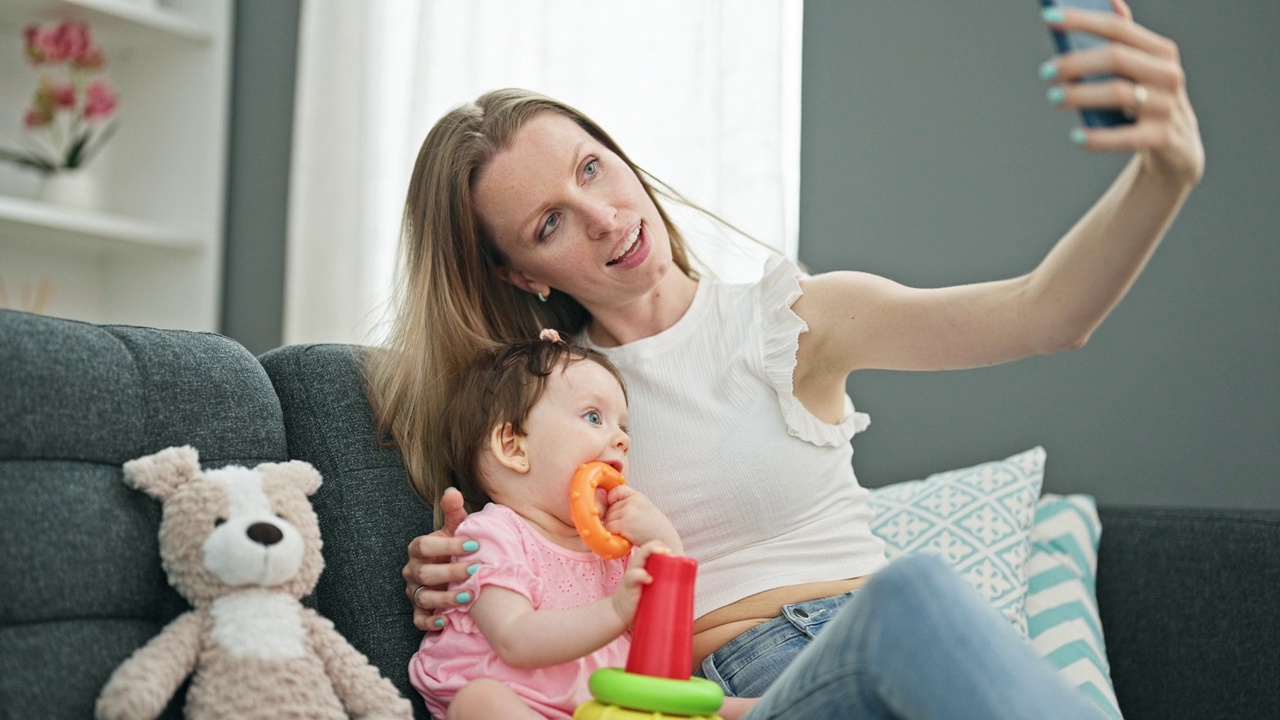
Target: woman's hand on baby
pixel 1150 84
pixel 429 571
pixel 627 597
pixel 631 514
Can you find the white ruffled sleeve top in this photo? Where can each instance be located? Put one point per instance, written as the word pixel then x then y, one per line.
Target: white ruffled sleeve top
pixel 761 491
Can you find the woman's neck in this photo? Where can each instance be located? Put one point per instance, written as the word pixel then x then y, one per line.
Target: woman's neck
pixel 647 316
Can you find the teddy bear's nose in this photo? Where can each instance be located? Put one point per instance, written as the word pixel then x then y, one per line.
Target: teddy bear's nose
pixel 265 533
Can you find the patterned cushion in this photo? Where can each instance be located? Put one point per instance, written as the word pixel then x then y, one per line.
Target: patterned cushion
pixel 1062 605
pixel 978 519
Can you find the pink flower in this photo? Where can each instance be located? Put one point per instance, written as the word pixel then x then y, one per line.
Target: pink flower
pixel 72 40
pixel 63 96
pixel 101 101
pixel 41 44
pixel 37 117
pixel 88 59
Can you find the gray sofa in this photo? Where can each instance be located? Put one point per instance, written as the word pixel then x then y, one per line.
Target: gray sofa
pixel 1188 596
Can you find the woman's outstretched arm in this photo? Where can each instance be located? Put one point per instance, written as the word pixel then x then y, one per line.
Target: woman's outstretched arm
pixel 858 320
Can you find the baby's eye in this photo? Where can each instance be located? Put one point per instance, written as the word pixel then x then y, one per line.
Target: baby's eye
pixel 593 417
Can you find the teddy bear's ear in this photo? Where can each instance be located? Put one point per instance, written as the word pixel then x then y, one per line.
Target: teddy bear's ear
pixel 160 474
pixel 299 473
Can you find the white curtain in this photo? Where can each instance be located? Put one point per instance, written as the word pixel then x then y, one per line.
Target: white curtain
pixel 704 94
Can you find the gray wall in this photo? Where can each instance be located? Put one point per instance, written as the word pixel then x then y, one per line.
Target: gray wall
pixel 263 70
pixel 930 156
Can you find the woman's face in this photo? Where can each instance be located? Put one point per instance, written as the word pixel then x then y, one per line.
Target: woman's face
pixel 568 214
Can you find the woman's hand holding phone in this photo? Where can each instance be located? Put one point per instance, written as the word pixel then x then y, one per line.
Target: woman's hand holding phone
pixel 1149 83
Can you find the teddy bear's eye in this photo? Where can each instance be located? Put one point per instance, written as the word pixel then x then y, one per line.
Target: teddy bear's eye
pixel 219 521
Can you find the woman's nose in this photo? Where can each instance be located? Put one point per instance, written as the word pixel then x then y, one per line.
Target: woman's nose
pixel 602 218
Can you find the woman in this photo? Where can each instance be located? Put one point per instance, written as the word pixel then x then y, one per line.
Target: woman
pixel 523 213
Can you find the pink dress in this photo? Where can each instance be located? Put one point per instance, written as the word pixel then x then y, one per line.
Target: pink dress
pixel 515 556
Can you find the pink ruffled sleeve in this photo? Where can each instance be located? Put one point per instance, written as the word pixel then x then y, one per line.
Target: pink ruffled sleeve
pixel 503 558
pixel 780 330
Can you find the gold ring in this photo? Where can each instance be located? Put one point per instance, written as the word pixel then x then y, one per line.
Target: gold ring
pixel 415 594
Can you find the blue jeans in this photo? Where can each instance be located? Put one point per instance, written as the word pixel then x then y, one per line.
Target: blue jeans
pixel 916 642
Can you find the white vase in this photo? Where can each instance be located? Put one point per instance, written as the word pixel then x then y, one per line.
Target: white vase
pixel 71 188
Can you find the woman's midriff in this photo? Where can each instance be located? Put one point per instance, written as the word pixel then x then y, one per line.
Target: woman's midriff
pixel 713 630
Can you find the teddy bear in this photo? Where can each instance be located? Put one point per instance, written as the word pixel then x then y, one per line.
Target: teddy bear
pixel 242 545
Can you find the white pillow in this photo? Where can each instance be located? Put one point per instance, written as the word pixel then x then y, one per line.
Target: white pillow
pixel 978 519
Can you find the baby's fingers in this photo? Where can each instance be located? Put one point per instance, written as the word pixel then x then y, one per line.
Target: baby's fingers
pixel 643 552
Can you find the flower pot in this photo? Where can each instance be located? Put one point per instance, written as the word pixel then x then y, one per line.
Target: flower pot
pixel 71 188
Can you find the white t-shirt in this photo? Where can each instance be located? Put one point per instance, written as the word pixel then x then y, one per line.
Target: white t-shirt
pixel 761 491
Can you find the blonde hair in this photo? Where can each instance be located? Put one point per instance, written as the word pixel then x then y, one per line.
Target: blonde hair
pixel 450 304
pixel 501 387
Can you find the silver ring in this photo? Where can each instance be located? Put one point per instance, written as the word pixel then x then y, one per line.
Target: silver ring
pixel 1140 97
pixel 415 594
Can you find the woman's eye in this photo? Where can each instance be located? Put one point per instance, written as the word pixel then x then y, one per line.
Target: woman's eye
pixel 591 168
pixel 593 417
pixel 549 226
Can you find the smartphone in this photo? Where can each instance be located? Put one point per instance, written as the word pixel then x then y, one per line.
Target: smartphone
pixel 1074 41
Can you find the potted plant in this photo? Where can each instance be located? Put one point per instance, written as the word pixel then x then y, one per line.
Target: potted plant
pixel 69 118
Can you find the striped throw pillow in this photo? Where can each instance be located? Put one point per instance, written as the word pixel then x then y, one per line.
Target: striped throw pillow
pixel 1062 605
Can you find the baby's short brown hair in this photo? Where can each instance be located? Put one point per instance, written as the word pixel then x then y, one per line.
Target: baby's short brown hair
pixel 501 387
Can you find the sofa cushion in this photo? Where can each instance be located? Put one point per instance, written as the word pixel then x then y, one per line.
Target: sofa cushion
pixel 368 512
pixel 81 567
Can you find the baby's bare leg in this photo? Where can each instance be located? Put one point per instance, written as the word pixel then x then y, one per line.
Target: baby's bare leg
pixel 488 699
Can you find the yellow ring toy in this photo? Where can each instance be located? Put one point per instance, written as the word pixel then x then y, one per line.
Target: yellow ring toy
pixel 695 696
pixel 582 509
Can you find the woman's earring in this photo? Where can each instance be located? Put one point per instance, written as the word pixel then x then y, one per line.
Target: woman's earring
pixel 542 298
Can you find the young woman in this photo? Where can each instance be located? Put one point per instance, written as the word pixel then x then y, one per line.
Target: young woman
pixel 523 213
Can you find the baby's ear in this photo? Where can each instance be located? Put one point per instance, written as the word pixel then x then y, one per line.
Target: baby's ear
pixel 509 448
pixel 158 475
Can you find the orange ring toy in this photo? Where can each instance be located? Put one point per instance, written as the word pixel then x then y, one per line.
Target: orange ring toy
pixel 582 508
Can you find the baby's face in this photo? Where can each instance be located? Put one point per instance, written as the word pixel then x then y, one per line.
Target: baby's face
pixel 581 417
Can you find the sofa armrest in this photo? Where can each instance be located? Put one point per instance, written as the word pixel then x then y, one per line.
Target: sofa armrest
pixel 1188 599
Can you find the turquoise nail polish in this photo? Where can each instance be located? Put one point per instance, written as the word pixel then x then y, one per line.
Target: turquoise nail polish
pixel 472 568
pixel 1078 137
pixel 1048 70
pixel 439 622
pixel 470 546
pixel 1052 15
pixel 1056 94
pixel 464 597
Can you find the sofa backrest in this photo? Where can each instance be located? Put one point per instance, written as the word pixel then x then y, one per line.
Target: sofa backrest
pixel 368 513
pixel 1188 601
pixel 82 582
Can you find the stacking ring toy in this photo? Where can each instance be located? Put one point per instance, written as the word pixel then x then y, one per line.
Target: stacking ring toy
pixel 582 508
pixel 592 710
pixel 695 696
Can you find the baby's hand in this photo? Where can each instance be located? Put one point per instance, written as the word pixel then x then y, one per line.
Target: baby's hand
pixel 633 515
pixel 627 598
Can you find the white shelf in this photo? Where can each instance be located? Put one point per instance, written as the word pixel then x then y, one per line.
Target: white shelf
pixel 89 230
pixel 153 254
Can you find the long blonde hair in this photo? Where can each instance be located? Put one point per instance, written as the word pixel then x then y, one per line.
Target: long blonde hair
pixel 450 305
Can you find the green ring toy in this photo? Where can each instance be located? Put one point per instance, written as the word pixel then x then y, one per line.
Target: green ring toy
pixel 593 710
pixel 695 696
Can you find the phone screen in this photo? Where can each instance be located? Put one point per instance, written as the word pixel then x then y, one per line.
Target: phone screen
pixel 1075 41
